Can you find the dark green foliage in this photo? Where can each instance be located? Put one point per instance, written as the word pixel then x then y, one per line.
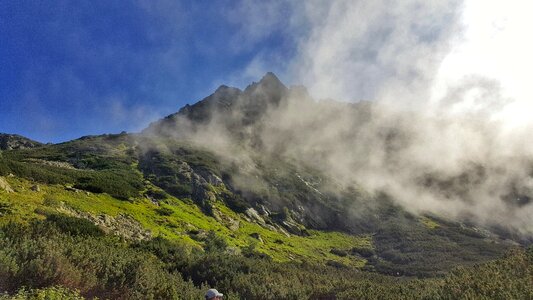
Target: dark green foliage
pixel 214 242
pixel 176 257
pixel 164 211
pixel 156 194
pixel 508 278
pixel 165 171
pixel 39 173
pixel 49 293
pixel 101 168
pixel 217 269
pixel 405 246
pixel 74 226
pixel 42 256
pixel 121 184
pixel 108 267
pixel 364 252
pixel 235 201
pixel 339 252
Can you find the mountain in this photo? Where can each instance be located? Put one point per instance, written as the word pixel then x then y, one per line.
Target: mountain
pixel 216 193
pixel 14 141
pixel 252 104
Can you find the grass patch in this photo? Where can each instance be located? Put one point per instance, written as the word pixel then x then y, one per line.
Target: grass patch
pixel 429 223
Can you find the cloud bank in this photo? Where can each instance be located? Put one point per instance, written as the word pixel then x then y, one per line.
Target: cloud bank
pixel 439 134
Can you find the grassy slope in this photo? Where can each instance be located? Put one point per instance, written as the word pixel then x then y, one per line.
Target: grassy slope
pixel 25 204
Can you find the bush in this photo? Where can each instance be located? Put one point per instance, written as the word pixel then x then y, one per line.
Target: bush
pixel 49 293
pixel 164 211
pixel 364 252
pixel 99 266
pixel 75 226
pixel 214 242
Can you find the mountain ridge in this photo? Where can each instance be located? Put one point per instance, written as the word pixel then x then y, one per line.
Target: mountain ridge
pixel 179 189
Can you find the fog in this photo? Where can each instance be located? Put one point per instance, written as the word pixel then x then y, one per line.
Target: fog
pixel 446 125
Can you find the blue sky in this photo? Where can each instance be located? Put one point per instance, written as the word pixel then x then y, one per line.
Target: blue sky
pixel 72 68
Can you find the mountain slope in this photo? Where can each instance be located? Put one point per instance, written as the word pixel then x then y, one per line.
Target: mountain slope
pixel 207 178
pixel 14 141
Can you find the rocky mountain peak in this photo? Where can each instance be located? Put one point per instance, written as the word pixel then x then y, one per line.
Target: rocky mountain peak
pixel 270 84
pixel 252 103
pixel 270 78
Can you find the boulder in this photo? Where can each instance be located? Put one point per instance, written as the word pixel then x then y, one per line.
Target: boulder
pixel 4 185
pixel 231 223
pixel 254 215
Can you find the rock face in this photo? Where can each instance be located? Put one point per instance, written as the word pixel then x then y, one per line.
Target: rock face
pixel 252 214
pixel 4 185
pixel 180 179
pixel 14 141
pixel 122 225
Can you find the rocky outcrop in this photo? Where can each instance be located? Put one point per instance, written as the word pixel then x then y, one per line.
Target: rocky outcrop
pixel 201 186
pixel 57 164
pixel 254 216
pixel 14 141
pixel 4 185
pixel 122 225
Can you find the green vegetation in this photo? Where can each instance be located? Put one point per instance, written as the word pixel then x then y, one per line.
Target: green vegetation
pixel 99 165
pixel 168 222
pixel 33 267
pixel 176 220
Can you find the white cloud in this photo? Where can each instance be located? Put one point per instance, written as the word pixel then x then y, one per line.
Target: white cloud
pixel 451 122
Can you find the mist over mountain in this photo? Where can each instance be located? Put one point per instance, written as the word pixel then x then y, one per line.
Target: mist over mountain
pixel 461 166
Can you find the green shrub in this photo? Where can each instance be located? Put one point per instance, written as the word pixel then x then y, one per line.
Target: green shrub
pixel 74 226
pixel 49 293
pixel 164 211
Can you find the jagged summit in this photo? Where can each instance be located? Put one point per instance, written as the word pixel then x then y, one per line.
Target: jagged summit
pixel 269 84
pixel 224 88
pixel 271 79
pixel 252 104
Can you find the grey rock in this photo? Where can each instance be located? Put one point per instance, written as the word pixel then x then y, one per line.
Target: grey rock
pixel 210 177
pixel 14 141
pixel 4 185
pixel 254 215
pixel 264 211
pixel 57 164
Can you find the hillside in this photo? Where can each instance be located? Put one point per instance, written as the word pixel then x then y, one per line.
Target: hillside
pixel 189 194
pixel 15 141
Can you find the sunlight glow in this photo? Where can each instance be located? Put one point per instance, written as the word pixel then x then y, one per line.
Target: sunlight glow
pixel 495 45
